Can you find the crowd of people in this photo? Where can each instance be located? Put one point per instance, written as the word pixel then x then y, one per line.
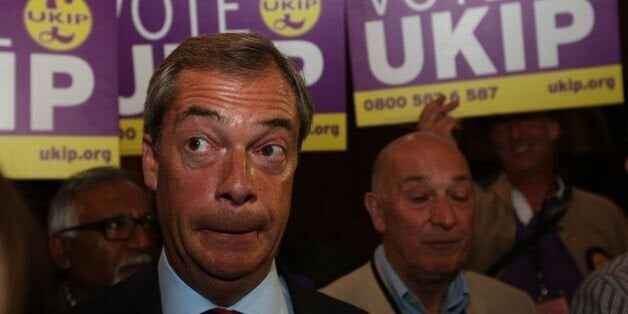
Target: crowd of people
pixel 225 117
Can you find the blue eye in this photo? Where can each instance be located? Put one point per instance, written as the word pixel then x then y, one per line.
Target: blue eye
pixel 197 144
pixel 272 151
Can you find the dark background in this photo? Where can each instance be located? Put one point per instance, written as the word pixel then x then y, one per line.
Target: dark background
pixel 330 233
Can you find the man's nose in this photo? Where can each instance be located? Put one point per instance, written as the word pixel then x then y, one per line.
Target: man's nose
pixel 514 129
pixel 442 213
pixel 142 238
pixel 236 184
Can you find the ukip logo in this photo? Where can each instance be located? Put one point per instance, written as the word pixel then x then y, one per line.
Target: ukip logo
pixel 59 25
pixel 290 17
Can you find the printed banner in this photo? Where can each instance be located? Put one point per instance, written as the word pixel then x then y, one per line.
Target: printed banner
pixel 310 31
pixel 58 87
pixel 494 56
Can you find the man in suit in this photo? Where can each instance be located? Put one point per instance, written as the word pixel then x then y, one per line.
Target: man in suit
pixel 422 203
pixel 225 118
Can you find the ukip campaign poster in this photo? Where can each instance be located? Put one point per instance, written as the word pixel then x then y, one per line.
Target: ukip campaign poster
pixel 495 56
pixel 58 90
pixel 312 32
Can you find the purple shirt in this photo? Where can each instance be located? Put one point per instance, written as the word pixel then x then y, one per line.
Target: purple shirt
pixel 546 265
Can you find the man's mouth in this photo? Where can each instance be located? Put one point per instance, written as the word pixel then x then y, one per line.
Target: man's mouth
pixel 442 245
pixel 130 268
pixel 520 148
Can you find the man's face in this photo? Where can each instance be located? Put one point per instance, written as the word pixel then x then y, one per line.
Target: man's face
pixel 424 209
pixel 224 173
pixel 525 144
pixel 95 263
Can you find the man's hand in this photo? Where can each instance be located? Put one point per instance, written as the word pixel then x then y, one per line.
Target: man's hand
pixel 435 118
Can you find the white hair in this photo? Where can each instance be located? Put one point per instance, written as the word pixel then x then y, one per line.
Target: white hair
pixel 63 213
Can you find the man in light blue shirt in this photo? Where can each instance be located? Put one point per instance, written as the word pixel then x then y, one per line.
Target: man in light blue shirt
pixel 225 118
pixel 422 202
pixel 270 296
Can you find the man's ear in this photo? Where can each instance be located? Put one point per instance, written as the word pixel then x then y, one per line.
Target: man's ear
pixel 150 166
pixel 375 209
pixel 59 247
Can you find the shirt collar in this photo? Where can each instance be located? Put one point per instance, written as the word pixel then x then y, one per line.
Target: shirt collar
pixel 270 296
pixel 457 293
pixel 522 207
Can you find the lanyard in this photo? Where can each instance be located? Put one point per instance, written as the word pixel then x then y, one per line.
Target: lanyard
pixel 384 288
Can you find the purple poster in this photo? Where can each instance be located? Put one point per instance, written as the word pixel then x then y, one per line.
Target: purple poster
pixel 58 87
pixel 310 31
pixel 495 56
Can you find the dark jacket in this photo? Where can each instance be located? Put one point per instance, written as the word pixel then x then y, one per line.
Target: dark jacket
pixel 139 294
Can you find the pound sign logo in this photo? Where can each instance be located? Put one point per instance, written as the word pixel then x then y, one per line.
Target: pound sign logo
pixel 58 25
pixel 290 17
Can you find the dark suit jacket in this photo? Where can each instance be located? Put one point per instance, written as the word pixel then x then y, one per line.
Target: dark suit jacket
pixel 139 294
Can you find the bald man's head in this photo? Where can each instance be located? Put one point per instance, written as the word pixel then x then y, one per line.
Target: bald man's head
pixel 422 204
pixel 421 142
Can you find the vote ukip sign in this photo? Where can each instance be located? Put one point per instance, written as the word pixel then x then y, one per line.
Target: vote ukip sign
pixel 58 87
pixel 495 56
pixel 310 31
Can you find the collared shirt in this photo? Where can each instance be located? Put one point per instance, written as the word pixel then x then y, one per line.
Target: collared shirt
pixel 523 209
pixel 270 296
pixel 457 293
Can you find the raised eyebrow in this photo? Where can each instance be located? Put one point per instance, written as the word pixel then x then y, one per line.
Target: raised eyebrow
pixel 415 179
pixel 461 178
pixel 277 123
pixel 198 111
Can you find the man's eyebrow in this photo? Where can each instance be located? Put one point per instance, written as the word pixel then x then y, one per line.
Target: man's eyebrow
pixel 277 123
pixel 412 179
pixel 461 178
pixel 456 179
pixel 197 111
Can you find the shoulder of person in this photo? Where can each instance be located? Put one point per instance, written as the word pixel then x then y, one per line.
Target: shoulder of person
pixel 138 294
pixel 307 301
pixel 496 296
pixel 605 289
pixel 588 198
pixel 350 283
pixel 361 289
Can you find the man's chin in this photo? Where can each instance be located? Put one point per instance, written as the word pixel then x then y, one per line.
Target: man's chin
pixel 233 268
pixel 126 271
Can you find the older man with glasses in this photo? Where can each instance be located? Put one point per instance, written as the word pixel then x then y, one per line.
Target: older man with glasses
pixel 101 229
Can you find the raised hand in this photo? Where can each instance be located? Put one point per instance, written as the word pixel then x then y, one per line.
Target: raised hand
pixel 436 118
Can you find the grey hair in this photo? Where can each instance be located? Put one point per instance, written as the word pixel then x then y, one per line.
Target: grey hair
pixel 62 213
pixel 245 55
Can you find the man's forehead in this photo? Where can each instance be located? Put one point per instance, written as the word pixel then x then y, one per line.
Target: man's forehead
pixel 225 88
pixel 432 179
pixel 510 118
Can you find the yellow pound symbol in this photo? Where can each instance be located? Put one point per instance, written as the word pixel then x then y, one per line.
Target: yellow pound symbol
pixel 58 25
pixel 290 17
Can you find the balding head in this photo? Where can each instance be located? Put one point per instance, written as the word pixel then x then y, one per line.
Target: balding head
pixel 412 145
pixel 422 204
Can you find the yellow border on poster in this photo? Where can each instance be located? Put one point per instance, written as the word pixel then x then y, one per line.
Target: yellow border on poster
pixel 55 157
pixel 328 133
pixel 517 93
pixel 131 132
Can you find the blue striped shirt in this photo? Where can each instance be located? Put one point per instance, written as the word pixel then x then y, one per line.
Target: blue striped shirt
pixel 605 290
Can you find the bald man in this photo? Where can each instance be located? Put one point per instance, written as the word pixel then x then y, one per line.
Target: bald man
pixel 421 202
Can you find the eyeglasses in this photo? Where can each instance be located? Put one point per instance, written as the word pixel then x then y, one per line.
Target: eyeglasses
pixel 118 228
